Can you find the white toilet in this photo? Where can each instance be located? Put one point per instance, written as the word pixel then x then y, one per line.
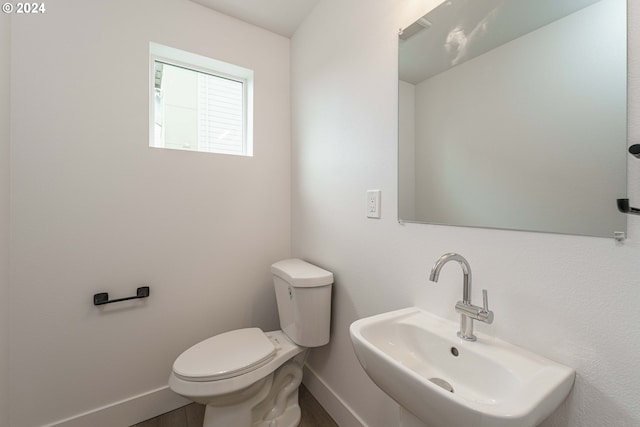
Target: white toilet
pixel 250 378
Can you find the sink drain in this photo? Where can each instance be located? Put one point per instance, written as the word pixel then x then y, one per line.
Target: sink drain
pixel 442 383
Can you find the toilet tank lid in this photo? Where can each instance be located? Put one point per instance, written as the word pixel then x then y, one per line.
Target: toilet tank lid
pixel 299 273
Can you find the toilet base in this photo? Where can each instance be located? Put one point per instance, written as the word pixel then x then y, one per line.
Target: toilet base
pixel 273 401
pixel 290 418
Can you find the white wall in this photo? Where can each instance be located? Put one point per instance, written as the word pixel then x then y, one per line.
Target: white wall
pixel 5 68
pixel 95 209
pixel 572 299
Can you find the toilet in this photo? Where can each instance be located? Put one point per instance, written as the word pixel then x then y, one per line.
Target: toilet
pixel 250 378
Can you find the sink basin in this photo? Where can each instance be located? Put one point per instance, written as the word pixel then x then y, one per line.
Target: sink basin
pixel 417 359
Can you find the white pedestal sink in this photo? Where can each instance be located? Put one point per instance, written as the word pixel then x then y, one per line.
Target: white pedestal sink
pixel 417 359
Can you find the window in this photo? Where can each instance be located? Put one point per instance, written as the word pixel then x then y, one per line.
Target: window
pixel 199 103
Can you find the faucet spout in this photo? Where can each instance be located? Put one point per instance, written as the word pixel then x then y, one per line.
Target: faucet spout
pixel 466 273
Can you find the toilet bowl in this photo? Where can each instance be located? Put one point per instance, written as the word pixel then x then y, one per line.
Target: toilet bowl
pixel 250 378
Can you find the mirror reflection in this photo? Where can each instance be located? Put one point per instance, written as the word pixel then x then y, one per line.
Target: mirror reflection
pixel 512 114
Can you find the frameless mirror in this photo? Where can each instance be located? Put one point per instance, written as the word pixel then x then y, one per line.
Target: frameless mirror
pixel 513 115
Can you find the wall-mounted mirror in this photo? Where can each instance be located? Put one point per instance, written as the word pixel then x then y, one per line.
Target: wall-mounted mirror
pixel 513 114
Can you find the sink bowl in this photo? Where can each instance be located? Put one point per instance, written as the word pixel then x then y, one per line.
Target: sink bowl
pixel 417 359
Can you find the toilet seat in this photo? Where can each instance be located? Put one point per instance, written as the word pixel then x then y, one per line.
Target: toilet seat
pixel 224 356
pixel 285 350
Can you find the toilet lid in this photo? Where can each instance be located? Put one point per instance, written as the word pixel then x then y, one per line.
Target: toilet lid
pixel 224 356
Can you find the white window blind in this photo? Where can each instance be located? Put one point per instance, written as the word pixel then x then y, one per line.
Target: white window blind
pixel 220 115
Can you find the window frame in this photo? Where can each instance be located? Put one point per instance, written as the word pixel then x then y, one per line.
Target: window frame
pixel 202 64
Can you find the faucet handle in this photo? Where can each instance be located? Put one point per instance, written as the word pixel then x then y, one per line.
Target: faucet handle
pixel 488 314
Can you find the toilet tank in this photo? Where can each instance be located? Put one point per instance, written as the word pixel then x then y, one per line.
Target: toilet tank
pixel 303 294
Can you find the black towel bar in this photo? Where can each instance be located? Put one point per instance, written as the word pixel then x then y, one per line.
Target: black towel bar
pixel 623 206
pixel 103 297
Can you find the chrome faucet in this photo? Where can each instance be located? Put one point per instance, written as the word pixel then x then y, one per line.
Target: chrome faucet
pixel 468 311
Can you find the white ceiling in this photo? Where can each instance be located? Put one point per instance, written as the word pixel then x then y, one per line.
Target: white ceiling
pixel 279 16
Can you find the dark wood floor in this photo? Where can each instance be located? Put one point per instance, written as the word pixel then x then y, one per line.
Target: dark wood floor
pixel 313 415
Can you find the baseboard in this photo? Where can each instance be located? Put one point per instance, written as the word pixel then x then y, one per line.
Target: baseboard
pixel 147 405
pixel 128 411
pixel 339 410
